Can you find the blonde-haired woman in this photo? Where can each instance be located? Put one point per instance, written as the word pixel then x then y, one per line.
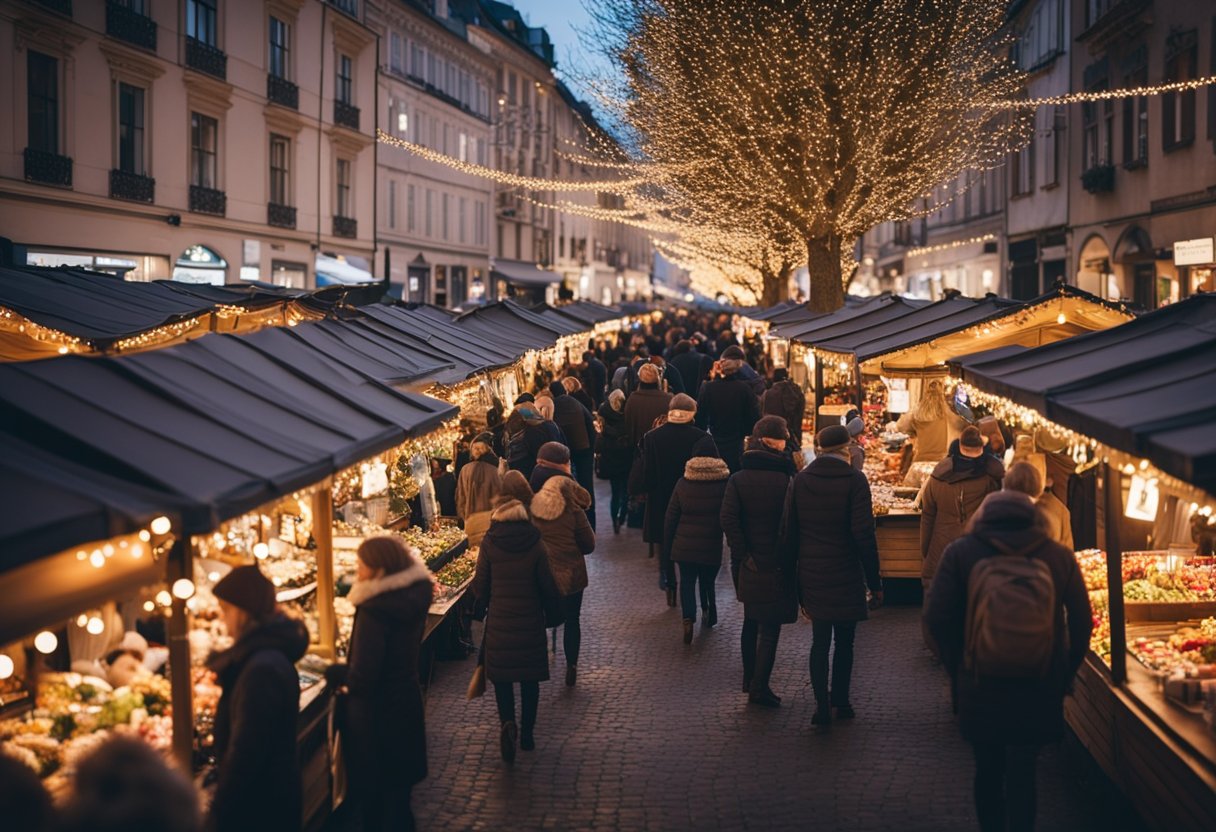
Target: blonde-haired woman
pixel 385 729
pixel 479 483
pixel 933 423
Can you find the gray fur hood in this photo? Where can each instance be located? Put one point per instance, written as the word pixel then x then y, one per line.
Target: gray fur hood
pixel 555 495
pixel 706 469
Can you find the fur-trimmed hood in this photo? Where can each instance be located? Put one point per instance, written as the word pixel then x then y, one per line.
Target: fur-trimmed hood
pixel 706 469
pixel 366 590
pixel 508 511
pixel 556 494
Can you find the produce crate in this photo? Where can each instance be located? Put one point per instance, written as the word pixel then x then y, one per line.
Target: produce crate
pixel 898 545
pixel 1168 611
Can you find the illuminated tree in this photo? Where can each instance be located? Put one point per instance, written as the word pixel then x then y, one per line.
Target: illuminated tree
pixel 800 124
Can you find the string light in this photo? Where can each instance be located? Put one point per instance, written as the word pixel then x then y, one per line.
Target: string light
pixel 917 252
pixel 6 666
pixel 1090 96
pixel 46 642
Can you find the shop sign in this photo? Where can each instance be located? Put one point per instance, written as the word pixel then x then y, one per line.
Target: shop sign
pixel 1199 252
pixel 1142 499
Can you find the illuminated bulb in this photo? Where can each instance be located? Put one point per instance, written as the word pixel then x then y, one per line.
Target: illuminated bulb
pixel 164 598
pixel 81 620
pixel 63 350
pixel 1128 469
pixel 137 551
pixel 1143 464
pixel 183 588
pixel 1061 319
pixel 149 606
pixel 160 525
pixel 278 581
pixel 108 550
pixel 81 555
pixel 6 666
pixel 97 558
pixel 1194 507
pixel 260 551
pixel 144 535
pixel 213 576
pixel 96 626
pixel 46 642
pixel 192 604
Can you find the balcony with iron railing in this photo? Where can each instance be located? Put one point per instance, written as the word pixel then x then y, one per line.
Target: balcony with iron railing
pixel 208 201
pixel 48 168
pixel 346 227
pixel 283 92
pixel 280 216
pixel 132 186
pixel 64 7
pixel 346 115
pixel 206 58
pixel 128 25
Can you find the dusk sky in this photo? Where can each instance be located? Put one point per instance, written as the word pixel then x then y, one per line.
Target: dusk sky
pixel 561 18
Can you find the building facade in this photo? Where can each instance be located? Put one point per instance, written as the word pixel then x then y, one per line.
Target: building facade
pixel 436 90
pixel 205 140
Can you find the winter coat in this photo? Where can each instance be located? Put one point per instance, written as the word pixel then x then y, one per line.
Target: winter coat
pixel 786 399
pixel 255 730
pixel 727 408
pixel 694 368
pixel 754 380
pixel 584 399
pixel 445 493
pixel 1058 518
pixel 665 453
pixel 998 710
pixel 692 530
pixel 857 456
pixel 643 406
pixel 541 474
pixel 513 580
pixel 559 510
pixel 829 529
pixel 384 714
pixel 933 437
pixel 751 517
pixel 523 443
pixel 575 421
pixel 613 447
pixel 951 495
pixel 595 380
pixel 479 483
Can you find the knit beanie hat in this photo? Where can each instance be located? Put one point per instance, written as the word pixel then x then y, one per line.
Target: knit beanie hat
pixel 856 427
pixel 557 389
pixel 648 374
pixel 617 400
pixel 524 398
pixel 971 441
pixel 733 352
pixel 832 438
pixel 706 446
pixel 484 438
pixel 246 587
pixel 554 452
pixel 515 485
pixel 771 427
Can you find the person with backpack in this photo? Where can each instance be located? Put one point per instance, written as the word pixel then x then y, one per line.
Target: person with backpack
pixel 785 399
pixel 1010 616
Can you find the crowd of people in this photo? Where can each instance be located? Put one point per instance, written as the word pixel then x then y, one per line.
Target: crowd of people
pixel 701 444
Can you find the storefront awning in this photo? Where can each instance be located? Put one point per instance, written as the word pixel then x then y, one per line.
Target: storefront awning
pixel 519 273
pixel 339 271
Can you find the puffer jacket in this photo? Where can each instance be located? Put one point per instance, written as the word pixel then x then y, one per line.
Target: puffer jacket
pixel 998 710
pixel 952 493
pixel 692 532
pixel 829 530
pixel 751 517
pixel 559 510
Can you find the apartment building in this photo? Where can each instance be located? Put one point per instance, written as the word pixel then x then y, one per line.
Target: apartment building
pixel 203 140
pixel 436 89
pixel 1142 200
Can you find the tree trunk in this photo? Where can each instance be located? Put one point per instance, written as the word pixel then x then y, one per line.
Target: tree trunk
pixel 774 286
pixel 823 263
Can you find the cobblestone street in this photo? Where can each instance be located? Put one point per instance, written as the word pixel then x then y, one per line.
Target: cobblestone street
pixel 657 735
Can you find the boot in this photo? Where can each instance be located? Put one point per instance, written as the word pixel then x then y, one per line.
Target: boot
pixel 507 741
pixel 688 622
pixel 671 595
pixel 766 699
pixel 571 672
pixel 616 525
pixel 747 683
pixel 822 717
pixel 526 741
pixel 711 616
pixel 845 712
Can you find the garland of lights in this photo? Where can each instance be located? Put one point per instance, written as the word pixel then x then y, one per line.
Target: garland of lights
pixel 1091 96
pixel 917 252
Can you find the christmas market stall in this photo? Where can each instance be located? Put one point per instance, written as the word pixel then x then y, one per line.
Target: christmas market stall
pixel 1122 422
pixel 45 312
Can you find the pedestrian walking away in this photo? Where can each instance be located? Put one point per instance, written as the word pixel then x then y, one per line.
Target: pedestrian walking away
pixel 578 426
pixel 559 510
pixel 829 530
pixel 645 404
pixel 785 399
pixel 516 592
pixel 751 518
pixel 552 460
pixel 692 534
pixel 728 407
pixel 614 456
pixel 527 430
pixel 476 487
pixel 1011 618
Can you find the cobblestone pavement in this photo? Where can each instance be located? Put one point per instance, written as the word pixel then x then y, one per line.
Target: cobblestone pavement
pixel 657 735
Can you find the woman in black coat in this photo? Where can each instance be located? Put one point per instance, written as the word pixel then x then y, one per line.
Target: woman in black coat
pixel 692 535
pixel 614 456
pixel 751 518
pixel 384 728
pixel 829 529
pixel 255 719
pixel 514 583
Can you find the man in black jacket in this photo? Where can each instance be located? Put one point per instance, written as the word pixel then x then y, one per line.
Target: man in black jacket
pixel 578 426
pixel 1008 718
pixel 595 377
pixel 785 399
pixel 728 408
pixel 693 366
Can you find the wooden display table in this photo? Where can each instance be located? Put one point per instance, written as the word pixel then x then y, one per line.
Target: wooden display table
pixel 898 544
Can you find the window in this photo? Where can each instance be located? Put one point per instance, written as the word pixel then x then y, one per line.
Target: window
pixel 201 21
pixel 481 151
pixel 462 147
pixel 392 203
pixel 279 48
pixel 426 216
pixel 1098 122
pixel 420 129
pixel 1135 122
pixel 131 129
pixel 345 90
pixel 461 220
pixel 1178 108
pixel 344 203
pixel 280 150
pixel 394 54
pixel 1095 9
pixel 403 124
pixel 416 60
pixel 42 89
pixel 410 224
pixel 443 223
pixel 1056 147
pixel 1022 168
pixel 441 285
pixel 1042 39
pixel 204 148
